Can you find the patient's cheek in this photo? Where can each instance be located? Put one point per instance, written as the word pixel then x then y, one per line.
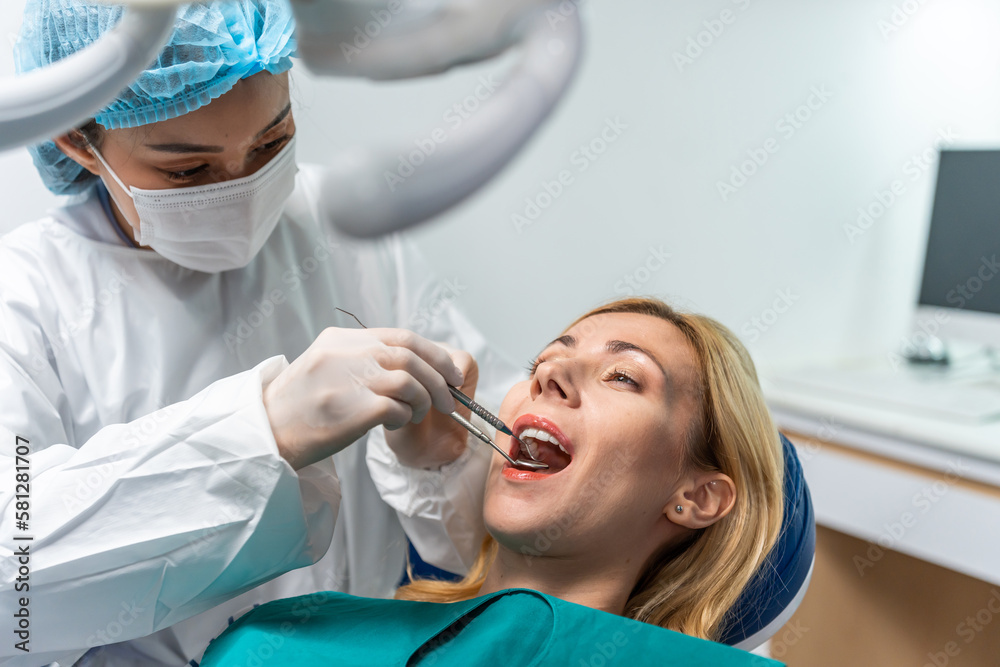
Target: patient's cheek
pixel 492 509
pixel 511 408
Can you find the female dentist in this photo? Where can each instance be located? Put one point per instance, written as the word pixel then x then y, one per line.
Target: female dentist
pixel 170 463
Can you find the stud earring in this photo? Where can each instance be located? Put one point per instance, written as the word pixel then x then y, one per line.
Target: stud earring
pixel 679 508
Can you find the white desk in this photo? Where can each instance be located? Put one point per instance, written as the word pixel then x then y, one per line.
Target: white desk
pixel 949 481
pixel 870 471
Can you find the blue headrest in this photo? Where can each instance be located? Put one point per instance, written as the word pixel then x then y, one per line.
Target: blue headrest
pixel 778 586
pixel 772 595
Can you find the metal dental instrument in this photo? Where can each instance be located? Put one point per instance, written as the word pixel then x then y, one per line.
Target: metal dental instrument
pixel 519 463
pixel 490 419
pixel 487 417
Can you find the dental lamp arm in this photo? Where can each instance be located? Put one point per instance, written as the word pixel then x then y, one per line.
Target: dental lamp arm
pixel 47 102
pixel 363 198
pixel 365 38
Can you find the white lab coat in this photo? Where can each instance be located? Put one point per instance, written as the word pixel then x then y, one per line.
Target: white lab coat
pixel 158 503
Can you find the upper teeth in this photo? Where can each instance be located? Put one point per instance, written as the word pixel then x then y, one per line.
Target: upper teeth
pixel 539 434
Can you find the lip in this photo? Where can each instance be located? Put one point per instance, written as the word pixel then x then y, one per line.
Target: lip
pixel 510 472
pixel 534 421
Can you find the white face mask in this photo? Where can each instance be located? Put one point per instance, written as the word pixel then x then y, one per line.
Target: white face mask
pixel 215 227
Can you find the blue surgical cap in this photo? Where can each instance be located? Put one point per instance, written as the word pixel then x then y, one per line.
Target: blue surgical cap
pixel 214 45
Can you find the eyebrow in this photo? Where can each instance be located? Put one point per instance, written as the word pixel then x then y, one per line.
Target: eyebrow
pixel 614 347
pixel 620 346
pixel 566 339
pixel 199 148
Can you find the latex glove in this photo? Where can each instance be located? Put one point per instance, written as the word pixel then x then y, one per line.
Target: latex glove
pixel 351 380
pixel 438 439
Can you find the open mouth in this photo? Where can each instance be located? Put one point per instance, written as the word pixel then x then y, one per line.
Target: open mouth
pixel 543 441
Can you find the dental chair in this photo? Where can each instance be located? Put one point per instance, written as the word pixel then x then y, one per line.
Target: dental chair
pixel 775 593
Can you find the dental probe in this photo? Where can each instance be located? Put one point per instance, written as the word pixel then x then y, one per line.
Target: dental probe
pixel 520 463
pixel 489 418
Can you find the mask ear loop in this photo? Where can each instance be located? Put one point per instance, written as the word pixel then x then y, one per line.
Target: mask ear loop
pixel 126 189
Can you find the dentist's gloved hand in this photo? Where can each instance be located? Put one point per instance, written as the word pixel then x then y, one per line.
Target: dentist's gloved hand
pixel 438 439
pixel 349 381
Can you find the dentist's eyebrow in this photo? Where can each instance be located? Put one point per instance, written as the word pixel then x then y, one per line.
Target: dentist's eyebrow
pixel 185 148
pixel 621 346
pixel 199 148
pixel 277 119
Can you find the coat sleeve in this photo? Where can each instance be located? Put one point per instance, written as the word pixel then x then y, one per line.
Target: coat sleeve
pixel 441 511
pixel 145 523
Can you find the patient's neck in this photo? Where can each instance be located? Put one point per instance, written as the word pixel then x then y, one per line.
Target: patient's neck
pixel 580 581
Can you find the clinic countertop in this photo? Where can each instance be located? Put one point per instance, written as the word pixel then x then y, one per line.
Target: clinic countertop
pixel 918 439
pixel 921 486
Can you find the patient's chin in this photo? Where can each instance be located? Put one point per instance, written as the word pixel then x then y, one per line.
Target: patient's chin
pixel 533 543
pixel 528 527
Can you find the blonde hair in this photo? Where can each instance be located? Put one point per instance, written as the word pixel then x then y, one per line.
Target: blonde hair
pixel 690 587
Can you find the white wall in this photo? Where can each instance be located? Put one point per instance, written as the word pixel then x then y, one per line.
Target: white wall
pixel 685 129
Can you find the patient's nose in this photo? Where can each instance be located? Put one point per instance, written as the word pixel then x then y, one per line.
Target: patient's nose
pixel 553 380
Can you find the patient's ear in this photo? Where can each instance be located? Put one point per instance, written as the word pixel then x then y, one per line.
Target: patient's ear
pixel 703 498
pixel 75 146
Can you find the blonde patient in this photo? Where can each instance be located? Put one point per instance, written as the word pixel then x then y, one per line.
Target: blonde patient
pixel 668 495
pixel 663 498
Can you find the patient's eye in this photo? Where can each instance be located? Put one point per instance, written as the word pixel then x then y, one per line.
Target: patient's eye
pixel 620 376
pixel 533 365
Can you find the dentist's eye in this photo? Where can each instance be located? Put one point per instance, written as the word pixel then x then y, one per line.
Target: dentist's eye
pixel 623 377
pixel 185 175
pixel 273 145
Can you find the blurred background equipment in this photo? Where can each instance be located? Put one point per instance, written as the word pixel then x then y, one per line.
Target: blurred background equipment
pixel 368 192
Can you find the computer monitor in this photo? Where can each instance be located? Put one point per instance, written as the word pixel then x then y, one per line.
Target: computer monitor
pixel 960 290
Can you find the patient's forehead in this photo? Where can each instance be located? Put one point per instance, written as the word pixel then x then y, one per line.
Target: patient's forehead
pixel 661 338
